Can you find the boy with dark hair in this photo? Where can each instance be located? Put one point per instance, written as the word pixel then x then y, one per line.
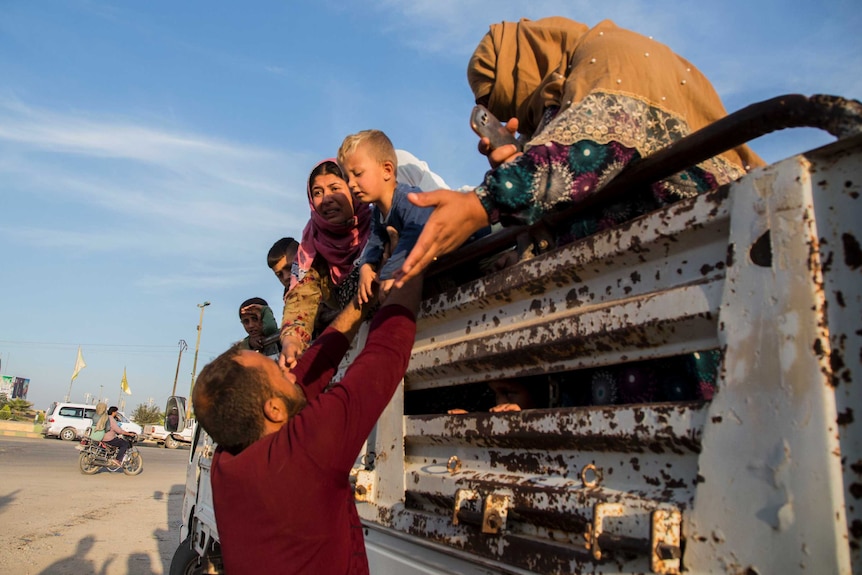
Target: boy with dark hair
pixel 259 322
pixel 280 259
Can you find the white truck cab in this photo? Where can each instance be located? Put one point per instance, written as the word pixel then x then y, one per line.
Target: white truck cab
pixel 761 474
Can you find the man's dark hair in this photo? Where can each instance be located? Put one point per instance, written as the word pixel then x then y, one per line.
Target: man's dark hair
pixel 252 301
pixel 112 410
pixel 228 399
pixel 283 248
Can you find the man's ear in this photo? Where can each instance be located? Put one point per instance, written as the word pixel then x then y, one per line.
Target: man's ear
pixel 275 410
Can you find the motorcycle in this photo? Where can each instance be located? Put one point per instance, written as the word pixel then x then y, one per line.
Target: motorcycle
pixel 96 454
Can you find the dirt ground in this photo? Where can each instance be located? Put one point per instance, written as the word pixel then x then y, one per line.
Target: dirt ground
pixel 57 521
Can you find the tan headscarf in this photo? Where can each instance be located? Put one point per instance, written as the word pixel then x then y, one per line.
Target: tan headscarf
pixel 100 423
pixel 525 67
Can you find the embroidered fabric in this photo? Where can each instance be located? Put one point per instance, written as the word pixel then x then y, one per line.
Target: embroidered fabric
pixel 604 117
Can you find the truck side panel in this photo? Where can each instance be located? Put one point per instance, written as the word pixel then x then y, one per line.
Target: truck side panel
pixel 765 476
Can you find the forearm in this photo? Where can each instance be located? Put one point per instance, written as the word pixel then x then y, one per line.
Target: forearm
pixel 300 309
pixel 372 378
pixel 348 321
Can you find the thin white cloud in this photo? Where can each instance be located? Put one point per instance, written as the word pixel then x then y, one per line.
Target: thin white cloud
pixel 82 134
pixel 135 187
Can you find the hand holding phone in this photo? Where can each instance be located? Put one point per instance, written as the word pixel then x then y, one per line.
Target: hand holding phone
pixel 486 125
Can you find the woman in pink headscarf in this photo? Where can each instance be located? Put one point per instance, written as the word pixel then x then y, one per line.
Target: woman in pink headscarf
pixel 323 277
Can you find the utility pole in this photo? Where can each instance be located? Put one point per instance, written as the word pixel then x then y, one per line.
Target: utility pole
pixel 183 346
pixel 195 364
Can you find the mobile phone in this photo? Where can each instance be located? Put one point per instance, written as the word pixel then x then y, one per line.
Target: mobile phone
pixel 486 125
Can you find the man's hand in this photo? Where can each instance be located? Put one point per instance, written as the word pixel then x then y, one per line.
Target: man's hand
pixel 389 249
pixel 408 294
pixel 384 287
pixel 291 349
pixel 502 154
pixel 455 218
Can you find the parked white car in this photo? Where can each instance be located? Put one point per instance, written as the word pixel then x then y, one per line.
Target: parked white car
pixel 129 425
pixel 70 421
pixel 170 440
pixel 67 421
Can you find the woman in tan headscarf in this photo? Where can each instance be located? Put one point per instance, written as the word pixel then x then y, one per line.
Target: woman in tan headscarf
pixel 586 101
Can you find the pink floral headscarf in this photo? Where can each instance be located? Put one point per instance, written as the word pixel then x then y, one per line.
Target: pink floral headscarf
pixel 338 244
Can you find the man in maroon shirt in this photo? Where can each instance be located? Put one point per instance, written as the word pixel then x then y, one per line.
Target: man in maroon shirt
pixel 280 476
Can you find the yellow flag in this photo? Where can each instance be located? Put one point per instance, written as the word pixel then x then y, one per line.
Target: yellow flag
pixel 124 385
pixel 79 364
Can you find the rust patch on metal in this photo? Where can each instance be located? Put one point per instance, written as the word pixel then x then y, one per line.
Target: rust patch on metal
pixel 846 417
pixel 818 348
pixel 761 251
pixel 852 251
pixel 826 263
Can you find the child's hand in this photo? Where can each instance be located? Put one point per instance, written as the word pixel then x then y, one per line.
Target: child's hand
pixel 505 407
pixel 367 277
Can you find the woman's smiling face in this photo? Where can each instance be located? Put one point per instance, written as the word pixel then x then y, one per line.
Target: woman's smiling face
pixel 331 198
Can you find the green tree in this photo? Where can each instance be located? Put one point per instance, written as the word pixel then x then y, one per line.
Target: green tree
pixel 145 414
pixel 21 409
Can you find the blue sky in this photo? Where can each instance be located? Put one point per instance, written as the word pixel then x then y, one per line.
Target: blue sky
pixel 151 152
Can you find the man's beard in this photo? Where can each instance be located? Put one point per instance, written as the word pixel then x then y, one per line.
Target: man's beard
pixel 294 405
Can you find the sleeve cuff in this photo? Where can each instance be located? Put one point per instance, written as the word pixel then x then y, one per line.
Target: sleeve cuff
pixel 487 202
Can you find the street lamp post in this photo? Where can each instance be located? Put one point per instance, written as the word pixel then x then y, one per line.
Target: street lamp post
pixel 195 363
pixel 183 346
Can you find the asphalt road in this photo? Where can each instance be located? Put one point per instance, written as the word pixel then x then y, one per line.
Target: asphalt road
pixel 57 521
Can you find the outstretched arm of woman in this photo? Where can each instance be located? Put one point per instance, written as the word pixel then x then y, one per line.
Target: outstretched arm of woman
pixel 456 217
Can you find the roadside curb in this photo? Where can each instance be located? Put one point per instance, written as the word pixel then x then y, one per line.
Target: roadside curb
pixel 14 433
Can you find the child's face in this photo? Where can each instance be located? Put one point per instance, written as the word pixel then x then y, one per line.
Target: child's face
pixel 252 323
pixel 368 179
pixel 511 392
pixel 331 199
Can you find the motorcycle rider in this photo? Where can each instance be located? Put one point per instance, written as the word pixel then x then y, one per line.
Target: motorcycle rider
pixel 112 436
